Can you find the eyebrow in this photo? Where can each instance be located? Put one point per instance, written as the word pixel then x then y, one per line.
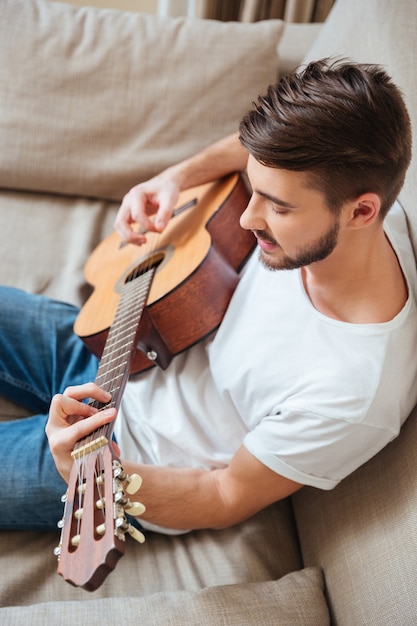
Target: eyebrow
pixel 275 200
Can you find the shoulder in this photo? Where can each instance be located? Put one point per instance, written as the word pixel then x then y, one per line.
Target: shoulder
pixel 397 231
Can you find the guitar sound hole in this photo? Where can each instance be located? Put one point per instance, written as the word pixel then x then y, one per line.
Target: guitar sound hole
pixel 152 262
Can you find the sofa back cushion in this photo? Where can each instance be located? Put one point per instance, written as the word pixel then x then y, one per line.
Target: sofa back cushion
pixel 382 32
pixel 93 101
pixel 363 533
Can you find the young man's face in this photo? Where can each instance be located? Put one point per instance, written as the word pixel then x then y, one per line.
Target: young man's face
pixel 290 220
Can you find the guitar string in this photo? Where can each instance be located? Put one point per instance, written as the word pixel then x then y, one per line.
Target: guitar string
pixel 119 336
pixel 116 352
pixel 146 265
pixel 99 465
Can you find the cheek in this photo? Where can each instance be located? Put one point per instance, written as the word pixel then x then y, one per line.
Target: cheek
pixel 293 235
pixel 286 232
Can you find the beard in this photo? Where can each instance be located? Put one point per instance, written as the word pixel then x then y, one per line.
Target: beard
pixel 312 253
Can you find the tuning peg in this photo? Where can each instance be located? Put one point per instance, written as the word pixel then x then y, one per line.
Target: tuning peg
pixel 134 508
pixel 135 534
pixel 133 483
pixel 78 514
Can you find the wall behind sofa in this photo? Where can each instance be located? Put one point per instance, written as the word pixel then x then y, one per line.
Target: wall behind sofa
pixel 143 6
pixel 240 10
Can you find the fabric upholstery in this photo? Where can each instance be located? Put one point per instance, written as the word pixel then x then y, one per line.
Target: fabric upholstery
pixel 295 600
pixel 47 255
pixel 363 534
pixel 190 562
pixel 45 240
pixel 295 39
pixel 382 32
pixel 96 110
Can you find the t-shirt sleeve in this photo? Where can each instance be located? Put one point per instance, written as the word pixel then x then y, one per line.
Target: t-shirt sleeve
pixel 312 449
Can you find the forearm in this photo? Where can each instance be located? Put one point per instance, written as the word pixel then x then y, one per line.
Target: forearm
pixel 217 160
pixel 196 498
pixel 182 499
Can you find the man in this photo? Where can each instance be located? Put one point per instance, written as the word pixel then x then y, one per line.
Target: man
pixel 312 370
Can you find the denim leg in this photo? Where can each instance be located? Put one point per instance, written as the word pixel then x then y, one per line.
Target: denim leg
pixel 39 356
pixel 39 353
pixel 31 488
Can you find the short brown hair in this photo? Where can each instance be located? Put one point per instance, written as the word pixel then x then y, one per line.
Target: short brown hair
pixel 344 123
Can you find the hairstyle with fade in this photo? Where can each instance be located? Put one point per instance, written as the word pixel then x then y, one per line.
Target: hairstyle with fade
pixel 343 123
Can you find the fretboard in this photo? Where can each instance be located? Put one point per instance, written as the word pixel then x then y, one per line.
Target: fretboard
pixel 121 342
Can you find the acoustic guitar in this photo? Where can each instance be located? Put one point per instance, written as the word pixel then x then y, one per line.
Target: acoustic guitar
pixel 148 304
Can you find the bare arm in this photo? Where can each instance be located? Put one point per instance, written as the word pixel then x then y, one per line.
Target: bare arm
pixel 158 196
pixel 174 498
pixel 192 498
pixel 225 156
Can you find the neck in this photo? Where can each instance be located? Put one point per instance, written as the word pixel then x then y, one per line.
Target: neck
pixel 360 281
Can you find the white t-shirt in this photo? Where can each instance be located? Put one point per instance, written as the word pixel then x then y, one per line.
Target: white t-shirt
pixel 311 397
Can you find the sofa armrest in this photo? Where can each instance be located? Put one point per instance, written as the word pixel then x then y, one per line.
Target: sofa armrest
pixel 294 45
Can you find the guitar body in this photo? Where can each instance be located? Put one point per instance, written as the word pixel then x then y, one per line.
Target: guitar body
pixel 198 258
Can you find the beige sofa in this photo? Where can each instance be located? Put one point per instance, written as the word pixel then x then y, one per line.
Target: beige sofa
pixel 92 102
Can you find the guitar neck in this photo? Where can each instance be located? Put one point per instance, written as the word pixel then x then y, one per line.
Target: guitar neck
pixel 94 522
pixel 120 346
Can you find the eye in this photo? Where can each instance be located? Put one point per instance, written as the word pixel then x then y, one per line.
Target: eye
pixel 279 210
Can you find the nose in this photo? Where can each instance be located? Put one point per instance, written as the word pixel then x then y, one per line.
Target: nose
pixel 252 216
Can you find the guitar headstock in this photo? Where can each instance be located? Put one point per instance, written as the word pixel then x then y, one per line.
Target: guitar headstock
pixel 94 524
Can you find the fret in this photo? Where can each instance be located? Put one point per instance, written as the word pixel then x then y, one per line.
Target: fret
pixel 120 346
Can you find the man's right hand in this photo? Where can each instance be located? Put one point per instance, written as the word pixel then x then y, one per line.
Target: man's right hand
pixel 157 197
pixel 148 206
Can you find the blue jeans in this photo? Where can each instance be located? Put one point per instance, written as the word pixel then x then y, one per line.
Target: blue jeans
pixel 39 356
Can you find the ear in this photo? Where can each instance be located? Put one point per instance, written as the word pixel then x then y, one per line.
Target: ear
pixel 364 210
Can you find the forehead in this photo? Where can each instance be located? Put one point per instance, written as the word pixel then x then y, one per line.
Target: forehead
pixel 276 175
pixel 286 188
pixel 272 180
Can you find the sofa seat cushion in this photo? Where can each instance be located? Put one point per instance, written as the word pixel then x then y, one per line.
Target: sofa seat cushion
pixel 295 600
pixel 92 101
pixel 48 240
pixel 264 547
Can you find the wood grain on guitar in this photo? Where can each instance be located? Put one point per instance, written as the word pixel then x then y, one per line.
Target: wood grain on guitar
pixel 94 523
pixel 199 256
pixel 148 304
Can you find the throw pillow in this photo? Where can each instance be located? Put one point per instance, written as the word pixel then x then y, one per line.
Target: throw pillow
pixel 295 600
pixel 92 101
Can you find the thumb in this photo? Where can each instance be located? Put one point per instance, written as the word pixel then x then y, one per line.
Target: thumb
pixel 167 201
